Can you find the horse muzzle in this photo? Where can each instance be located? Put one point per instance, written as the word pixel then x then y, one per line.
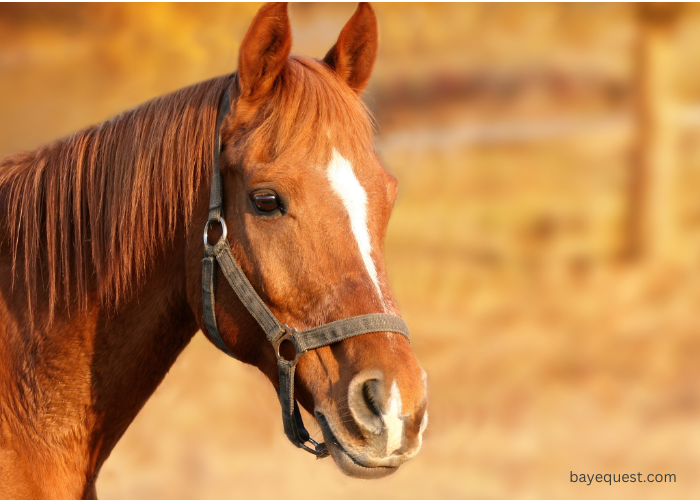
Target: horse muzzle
pixel 375 433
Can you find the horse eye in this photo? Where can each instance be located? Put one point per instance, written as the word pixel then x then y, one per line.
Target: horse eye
pixel 266 202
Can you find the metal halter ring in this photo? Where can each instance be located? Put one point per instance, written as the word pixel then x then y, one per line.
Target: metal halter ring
pixel 221 221
pixel 319 449
pixel 289 333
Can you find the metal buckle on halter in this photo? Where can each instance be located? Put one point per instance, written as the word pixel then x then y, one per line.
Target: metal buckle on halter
pixel 221 221
pixel 289 334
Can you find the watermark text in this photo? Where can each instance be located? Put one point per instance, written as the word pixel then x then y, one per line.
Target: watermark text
pixel 639 477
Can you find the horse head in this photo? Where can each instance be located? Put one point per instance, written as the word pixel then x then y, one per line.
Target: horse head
pixel 307 204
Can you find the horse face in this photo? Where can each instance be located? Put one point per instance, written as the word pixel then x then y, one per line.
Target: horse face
pixel 307 204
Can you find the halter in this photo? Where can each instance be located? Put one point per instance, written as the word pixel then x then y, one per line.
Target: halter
pixel 276 333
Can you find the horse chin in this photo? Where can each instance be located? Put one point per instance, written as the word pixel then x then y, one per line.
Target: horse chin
pixel 345 462
pixel 350 467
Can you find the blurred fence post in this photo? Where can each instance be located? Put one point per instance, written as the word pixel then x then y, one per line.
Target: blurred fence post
pixel 652 212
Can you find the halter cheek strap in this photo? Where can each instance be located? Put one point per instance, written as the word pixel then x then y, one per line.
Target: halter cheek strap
pixel 219 255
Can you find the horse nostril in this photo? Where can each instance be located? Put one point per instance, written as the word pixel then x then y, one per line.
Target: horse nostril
pixel 369 393
pixel 364 399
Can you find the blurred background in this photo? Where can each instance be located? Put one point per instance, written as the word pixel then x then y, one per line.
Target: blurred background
pixel 544 249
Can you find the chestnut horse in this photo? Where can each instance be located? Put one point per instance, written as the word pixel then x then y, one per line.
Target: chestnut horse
pixel 101 261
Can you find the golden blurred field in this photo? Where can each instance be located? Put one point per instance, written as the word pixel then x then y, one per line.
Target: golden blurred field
pixel 511 129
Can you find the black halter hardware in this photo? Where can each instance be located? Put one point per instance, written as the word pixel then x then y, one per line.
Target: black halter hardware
pixel 313 338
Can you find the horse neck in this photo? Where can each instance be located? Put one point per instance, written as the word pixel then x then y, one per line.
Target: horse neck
pixel 70 388
pixel 136 347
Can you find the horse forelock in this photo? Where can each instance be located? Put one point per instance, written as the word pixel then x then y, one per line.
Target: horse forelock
pixel 309 111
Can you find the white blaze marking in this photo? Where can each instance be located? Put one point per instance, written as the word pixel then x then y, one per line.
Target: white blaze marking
pixel 393 420
pixel 346 185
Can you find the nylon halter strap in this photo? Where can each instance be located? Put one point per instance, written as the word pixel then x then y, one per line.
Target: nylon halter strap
pixel 219 255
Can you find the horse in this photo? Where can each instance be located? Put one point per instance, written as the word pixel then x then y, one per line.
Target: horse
pixel 103 281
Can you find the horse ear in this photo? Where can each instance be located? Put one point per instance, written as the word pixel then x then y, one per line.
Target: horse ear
pixel 264 50
pixel 353 55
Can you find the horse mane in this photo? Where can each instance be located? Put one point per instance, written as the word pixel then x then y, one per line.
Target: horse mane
pixel 101 203
pixel 96 205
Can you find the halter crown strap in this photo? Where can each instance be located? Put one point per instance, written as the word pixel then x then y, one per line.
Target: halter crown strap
pixel 220 255
pixel 216 202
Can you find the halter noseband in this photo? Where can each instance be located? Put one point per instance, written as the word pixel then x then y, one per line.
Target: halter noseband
pixel 276 333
